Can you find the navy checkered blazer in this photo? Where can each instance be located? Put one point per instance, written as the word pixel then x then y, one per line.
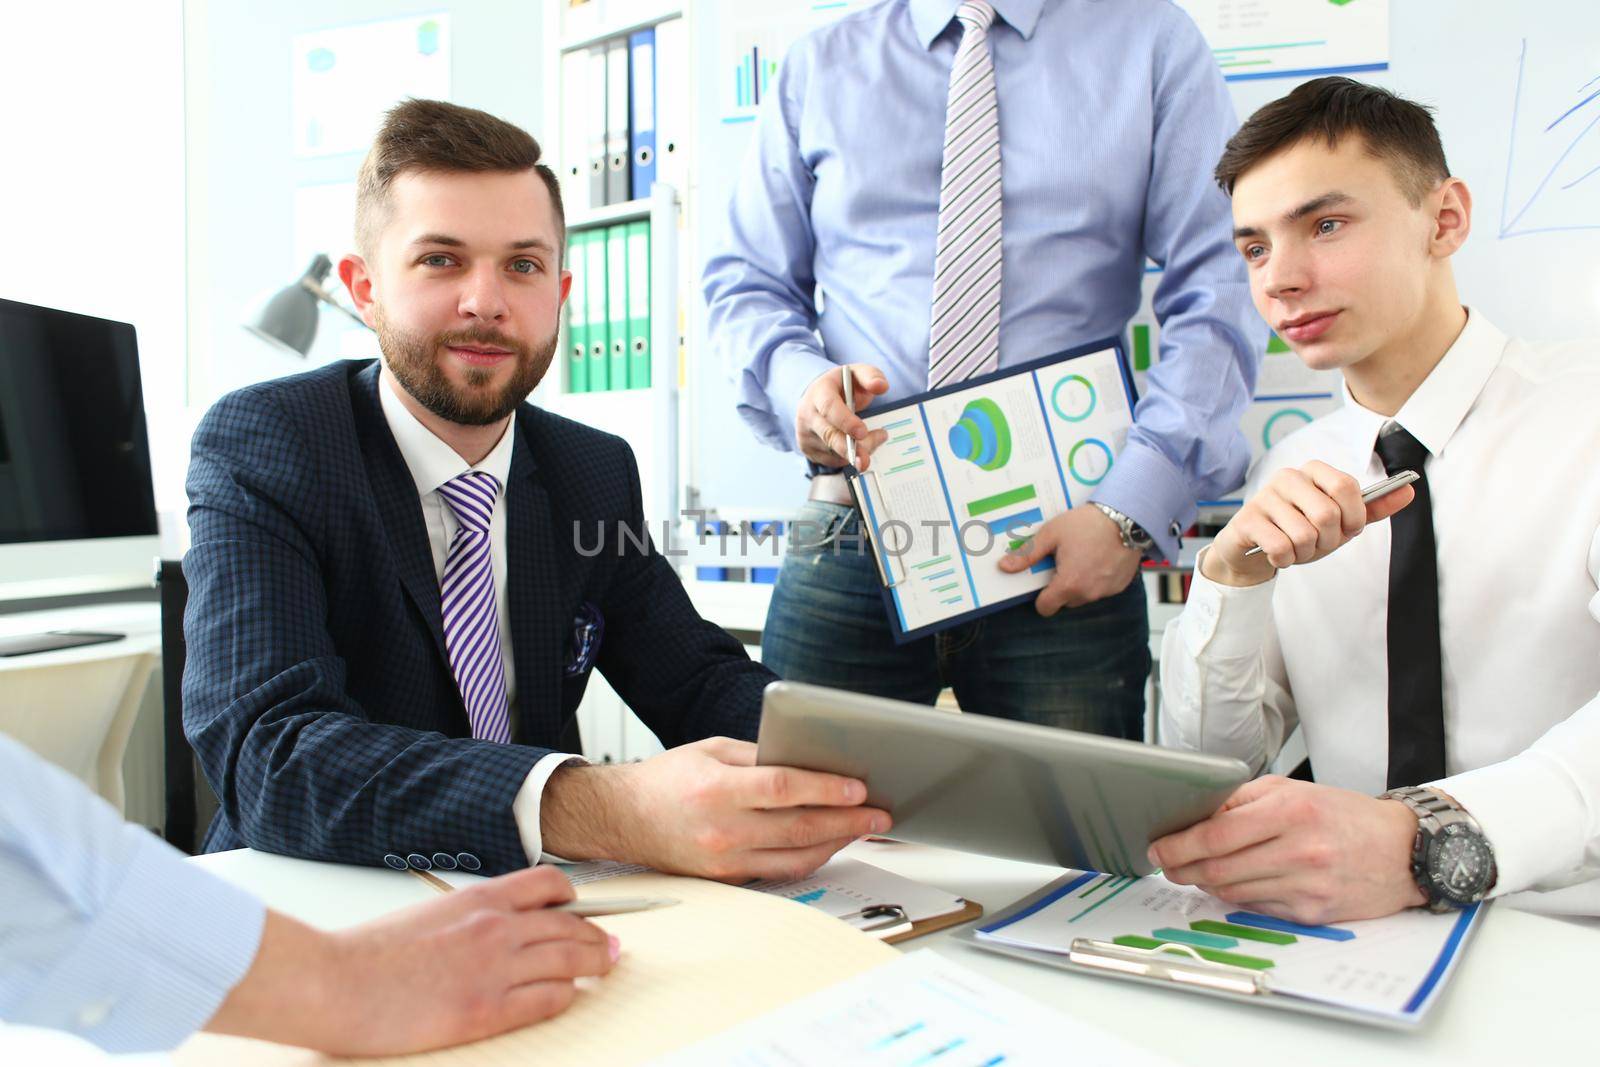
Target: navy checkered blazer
pixel 317 692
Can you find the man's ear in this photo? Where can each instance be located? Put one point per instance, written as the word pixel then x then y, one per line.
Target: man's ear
pixel 1453 219
pixel 357 279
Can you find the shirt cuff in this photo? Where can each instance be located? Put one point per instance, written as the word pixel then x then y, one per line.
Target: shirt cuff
pixel 792 369
pixel 1533 815
pixel 525 808
pixel 155 965
pixel 1223 622
pixel 1145 486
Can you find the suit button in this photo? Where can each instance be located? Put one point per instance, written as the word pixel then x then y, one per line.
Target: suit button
pixel 397 862
pixel 444 861
pixel 419 861
pixel 468 861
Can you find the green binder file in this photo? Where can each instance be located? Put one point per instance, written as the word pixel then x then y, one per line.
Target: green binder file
pixel 617 303
pixel 638 235
pixel 595 290
pixel 578 315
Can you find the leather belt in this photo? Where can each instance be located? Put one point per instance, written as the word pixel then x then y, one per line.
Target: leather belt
pixel 831 488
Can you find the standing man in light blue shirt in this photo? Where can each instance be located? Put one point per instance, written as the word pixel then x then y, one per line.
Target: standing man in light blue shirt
pixel 939 189
pixel 106 932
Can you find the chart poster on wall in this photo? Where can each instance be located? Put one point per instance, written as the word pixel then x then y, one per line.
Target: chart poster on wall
pixel 1293 38
pixel 344 79
pixel 752 40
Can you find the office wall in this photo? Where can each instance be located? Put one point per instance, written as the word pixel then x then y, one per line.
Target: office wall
pixel 244 175
pixel 92 187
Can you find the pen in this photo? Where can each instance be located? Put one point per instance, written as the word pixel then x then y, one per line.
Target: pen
pixel 582 908
pixel 1369 494
pixel 850 402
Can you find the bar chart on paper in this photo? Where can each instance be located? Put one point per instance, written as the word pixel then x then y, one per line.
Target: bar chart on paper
pixel 1389 966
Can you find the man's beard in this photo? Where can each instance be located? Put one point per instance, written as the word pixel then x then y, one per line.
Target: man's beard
pixel 413 362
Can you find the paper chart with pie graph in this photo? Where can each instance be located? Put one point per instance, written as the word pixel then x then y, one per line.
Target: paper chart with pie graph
pixel 970 473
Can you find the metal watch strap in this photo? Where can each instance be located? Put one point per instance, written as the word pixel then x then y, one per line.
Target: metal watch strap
pixel 1133 535
pixel 1434 812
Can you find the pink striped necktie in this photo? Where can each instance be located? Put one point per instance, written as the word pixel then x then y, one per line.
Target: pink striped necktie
pixel 467 600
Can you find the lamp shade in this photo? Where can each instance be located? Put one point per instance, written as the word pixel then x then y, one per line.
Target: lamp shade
pixel 288 318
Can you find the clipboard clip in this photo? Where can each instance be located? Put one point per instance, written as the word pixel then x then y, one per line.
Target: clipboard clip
pixel 869 502
pixel 1170 962
pixel 879 920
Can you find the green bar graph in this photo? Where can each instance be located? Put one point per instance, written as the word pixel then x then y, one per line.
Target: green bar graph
pixel 1276 345
pixel 1141 348
pixel 1000 500
pixel 1232 959
pixel 1243 933
pixel 904 467
pixel 930 563
pixel 1194 937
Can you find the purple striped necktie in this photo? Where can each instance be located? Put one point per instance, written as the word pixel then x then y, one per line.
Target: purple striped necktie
pixel 471 616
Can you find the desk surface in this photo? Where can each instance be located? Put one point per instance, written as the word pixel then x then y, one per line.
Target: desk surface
pixel 1521 995
pixel 139 620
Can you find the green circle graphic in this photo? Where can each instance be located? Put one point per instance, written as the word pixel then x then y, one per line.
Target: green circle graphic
pixel 1055 398
pixel 1072 460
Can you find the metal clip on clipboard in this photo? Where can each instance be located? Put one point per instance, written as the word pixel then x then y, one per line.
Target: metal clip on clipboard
pixel 859 485
pixel 1170 962
pixel 880 920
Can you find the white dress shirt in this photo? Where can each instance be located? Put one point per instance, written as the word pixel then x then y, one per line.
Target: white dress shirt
pixel 433 463
pixel 106 931
pixel 1513 436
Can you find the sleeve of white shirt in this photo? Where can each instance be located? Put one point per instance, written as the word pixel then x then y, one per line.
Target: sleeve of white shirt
pixel 525 808
pixel 1224 689
pixel 106 931
pixel 1540 809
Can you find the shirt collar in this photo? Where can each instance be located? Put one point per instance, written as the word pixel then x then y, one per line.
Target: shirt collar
pixel 430 460
pixel 930 17
pixel 1434 412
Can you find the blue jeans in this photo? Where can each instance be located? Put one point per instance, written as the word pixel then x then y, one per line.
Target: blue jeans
pixel 1081 669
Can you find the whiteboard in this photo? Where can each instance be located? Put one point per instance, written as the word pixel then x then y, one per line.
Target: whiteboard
pixel 1516 88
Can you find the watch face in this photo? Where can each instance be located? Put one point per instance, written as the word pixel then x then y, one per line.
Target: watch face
pixel 1461 864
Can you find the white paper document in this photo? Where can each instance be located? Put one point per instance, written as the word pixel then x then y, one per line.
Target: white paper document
pixel 843 886
pixel 970 472
pixel 1393 967
pixel 919 1009
pixel 1293 38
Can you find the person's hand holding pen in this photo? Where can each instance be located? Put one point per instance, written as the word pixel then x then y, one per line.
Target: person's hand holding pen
pixel 1299 516
pixel 826 424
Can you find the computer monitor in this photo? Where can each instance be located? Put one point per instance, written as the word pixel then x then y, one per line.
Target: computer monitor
pixel 77 506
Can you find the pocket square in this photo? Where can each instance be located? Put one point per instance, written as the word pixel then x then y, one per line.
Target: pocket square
pixel 588 629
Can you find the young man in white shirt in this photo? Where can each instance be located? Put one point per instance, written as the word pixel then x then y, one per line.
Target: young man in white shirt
pixel 1454 647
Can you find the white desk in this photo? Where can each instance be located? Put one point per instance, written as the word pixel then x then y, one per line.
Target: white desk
pixel 76 706
pixel 1523 994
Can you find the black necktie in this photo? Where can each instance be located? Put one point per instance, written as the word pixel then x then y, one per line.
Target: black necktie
pixel 1416 692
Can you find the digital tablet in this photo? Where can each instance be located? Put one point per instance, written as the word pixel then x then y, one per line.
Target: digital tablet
pixel 996 787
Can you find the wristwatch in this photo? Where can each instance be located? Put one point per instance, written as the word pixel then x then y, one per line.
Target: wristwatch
pixel 1133 535
pixel 1451 860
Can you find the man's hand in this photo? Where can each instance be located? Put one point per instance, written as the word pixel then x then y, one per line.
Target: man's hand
pixel 468 965
pixel 823 420
pixel 1091 561
pixel 706 809
pixel 1304 852
pixel 1298 517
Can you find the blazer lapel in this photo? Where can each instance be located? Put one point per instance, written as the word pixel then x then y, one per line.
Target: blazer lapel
pixel 533 587
pixel 398 505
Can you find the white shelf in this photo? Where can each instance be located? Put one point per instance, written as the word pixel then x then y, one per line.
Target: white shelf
pixel 627 211
pixel 571 42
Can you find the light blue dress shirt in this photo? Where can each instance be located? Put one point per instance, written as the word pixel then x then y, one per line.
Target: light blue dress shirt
pixel 1112 117
pixel 105 930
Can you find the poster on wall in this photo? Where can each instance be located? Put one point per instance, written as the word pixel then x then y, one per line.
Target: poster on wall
pixel 1293 38
pixel 344 79
pixel 752 40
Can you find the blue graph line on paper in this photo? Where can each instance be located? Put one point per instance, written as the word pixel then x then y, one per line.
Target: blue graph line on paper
pixel 1508 227
pixel 811 897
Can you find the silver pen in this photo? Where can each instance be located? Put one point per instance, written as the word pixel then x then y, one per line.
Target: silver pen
pixel 850 402
pixel 1369 494
pixel 614 905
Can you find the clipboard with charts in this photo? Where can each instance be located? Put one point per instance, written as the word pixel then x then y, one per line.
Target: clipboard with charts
pixel 881 903
pixel 971 470
pixel 1385 972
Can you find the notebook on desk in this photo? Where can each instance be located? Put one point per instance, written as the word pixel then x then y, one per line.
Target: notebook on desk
pixel 1387 972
